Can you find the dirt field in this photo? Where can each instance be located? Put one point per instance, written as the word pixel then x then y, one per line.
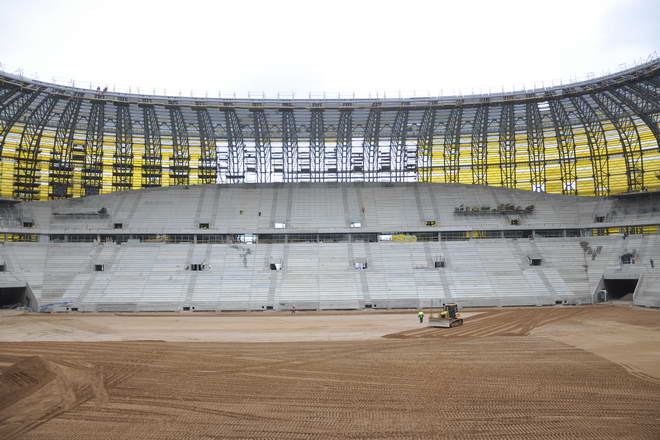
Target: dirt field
pixel 226 327
pixel 567 373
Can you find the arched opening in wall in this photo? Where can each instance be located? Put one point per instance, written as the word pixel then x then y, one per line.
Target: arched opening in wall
pixel 620 289
pixel 11 297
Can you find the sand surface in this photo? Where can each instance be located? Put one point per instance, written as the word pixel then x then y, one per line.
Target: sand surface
pixel 229 327
pixel 629 339
pixel 523 373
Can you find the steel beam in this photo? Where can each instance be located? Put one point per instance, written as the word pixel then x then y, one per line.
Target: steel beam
pixel 61 167
pixel 645 105
pixel 26 186
pixel 479 146
pixel 122 165
pixel 345 144
pixel 652 83
pixel 409 155
pixel 597 145
pixel 92 172
pixel 7 93
pixel 289 146
pixel 425 146
pixel 180 165
pixel 370 143
pixel 535 147
pixel 651 92
pixel 152 160
pixel 262 145
pixel 11 111
pixel 317 145
pixel 236 147
pixel 644 97
pixel 331 158
pixel 565 146
pixel 507 148
pixel 630 141
pixel 208 162
pixel 452 145
pixel 398 146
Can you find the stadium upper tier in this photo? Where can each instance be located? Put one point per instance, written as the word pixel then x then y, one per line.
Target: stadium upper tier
pixel 597 137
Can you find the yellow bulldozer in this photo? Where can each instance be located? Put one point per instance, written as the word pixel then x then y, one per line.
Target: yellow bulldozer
pixel 448 317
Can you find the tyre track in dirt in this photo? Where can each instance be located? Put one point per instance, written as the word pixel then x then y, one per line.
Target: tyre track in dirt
pixel 486 379
pixel 510 322
pixel 112 376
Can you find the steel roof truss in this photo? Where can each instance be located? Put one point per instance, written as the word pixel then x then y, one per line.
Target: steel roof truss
pixel 535 147
pixel 317 145
pixel 565 145
pixel 597 145
pixel 26 186
pixel 236 148
pixel 122 166
pixel 398 151
pixel 180 160
pixel 452 145
pixel 263 149
pixel 61 167
pixel 630 141
pixel 208 166
pixel 152 160
pixel 479 146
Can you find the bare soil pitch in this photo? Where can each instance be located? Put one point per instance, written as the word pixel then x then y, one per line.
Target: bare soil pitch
pixel 507 373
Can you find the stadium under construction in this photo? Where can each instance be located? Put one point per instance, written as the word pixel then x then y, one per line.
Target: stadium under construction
pixel 160 203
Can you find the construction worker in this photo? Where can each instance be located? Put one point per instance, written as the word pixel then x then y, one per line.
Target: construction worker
pixel 421 316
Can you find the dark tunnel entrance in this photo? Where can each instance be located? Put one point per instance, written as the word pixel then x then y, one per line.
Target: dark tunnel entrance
pixel 11 297
pixel 619 289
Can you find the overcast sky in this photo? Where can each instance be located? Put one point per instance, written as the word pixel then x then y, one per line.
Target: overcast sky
pixel 335 46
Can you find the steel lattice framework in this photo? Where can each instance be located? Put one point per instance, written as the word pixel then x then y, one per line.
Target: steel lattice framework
pixel 535 146
pixel 208 166
pixel 61 163
pixel 507 146
pixel 235 171
pixel 370 144
pixel 480 145
pixel 645 104
pixel 398 146
pixel 289 145
pixel 565 146
pixel 25 183
pixel 452 144
pixel 317 145
pixel 180 167
pixel 630 141
pixel 152 160
pixel 122 167
pixel 425 145
pixel 344 144
pixel 259 161
pixel 597 144
pixel 14 104
pixel 596 137
pixel 92 171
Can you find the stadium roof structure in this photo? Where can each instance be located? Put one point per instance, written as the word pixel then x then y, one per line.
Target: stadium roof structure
pixel 596 137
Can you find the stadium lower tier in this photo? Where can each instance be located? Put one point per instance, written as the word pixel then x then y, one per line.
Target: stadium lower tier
pixel 354 275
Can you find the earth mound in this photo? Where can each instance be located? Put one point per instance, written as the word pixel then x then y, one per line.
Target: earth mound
pixel 35 389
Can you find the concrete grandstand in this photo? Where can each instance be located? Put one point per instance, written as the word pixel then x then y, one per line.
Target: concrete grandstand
pixel 329 246
pixel 330 204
